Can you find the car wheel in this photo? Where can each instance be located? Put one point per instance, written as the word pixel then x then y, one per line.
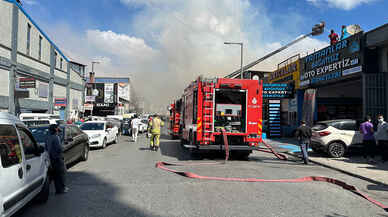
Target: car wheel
pixel 104 143
pixel 43 195
pixel 85 154
pixel 336 149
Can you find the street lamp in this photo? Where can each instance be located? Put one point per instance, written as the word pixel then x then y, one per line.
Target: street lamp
pixel 242 45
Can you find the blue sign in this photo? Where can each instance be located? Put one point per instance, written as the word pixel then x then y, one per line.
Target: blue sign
pixel 278 91
pixel 274 123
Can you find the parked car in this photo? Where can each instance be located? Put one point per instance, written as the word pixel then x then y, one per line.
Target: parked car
pixel 32 123
pixel 75 142
pixel 143 126
pixel 100 133
pixel 23 169
pixel 336 136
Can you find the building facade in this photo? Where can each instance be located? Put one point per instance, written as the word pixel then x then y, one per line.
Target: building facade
pixel 36 74
pixel 108 96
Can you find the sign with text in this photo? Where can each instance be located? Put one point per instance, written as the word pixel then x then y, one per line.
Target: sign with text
pixel 278 91
pixel 109 93
pixel 90 98
pixel 25 83
pixel 60 102
pixel 333 62
pixel 274 122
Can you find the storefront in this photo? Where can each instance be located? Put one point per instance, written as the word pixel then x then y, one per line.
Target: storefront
pixel 333 76
pixel 288 74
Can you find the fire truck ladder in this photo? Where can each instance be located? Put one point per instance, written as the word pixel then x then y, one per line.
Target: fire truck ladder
pixel 208 109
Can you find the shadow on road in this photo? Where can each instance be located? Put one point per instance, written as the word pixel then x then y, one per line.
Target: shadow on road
pixel 89 196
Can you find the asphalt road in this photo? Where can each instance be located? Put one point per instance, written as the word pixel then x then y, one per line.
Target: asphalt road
pixel 122 180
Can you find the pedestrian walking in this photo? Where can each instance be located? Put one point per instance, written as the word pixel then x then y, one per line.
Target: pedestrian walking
pixel 303 134
pixel 333 37
pixel 154 128
pixel 135 127
pixel 368 140
pixel 58 168
pixel 382 137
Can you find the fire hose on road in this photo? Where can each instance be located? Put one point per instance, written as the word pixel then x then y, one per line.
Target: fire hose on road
pixel 164 166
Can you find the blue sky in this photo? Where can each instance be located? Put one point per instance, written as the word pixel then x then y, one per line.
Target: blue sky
pixel 173 41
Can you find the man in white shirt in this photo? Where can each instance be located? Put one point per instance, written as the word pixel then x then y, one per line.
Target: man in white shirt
pixel 135 127
pixel 382 137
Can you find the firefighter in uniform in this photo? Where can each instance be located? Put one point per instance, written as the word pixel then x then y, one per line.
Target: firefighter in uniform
pixel 154 128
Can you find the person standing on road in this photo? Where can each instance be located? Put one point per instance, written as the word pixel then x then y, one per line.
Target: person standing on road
pixel 135 127
pixel 55 150
pixel 382 137
pixel 368 140
pixel 154 129
pixel 304 133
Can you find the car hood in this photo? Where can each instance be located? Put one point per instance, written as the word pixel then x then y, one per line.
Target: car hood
pixel 93 132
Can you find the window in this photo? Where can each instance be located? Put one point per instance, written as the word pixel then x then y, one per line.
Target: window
pixel 40 47
pixel 28 38
pixel 349 126
pixel 10 151
pixel 55 59
pixel 61 63
pixel 28 143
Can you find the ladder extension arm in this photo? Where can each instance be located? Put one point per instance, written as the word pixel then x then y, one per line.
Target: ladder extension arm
pixel 237 72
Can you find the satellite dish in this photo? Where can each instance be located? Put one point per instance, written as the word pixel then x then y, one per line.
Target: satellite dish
pixel 255 77
pixel 353 29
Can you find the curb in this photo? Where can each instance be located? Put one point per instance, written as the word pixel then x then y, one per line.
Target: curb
pixel 342 171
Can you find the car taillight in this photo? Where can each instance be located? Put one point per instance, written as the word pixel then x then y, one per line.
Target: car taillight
pixel 324 133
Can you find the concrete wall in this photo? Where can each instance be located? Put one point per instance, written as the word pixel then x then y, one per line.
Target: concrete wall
pixel 59 91
pixel 75 77
pixel 60 74
pixel 4 82
pixel 5 23
pixel 32 63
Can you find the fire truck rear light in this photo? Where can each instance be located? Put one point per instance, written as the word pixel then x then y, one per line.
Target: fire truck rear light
pixel 324 133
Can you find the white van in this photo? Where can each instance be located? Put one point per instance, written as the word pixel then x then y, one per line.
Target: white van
pixel 23 166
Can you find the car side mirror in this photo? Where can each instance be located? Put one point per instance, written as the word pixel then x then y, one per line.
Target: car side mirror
pixel 40 149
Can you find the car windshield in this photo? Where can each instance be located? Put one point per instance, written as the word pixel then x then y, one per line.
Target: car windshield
pixel 92 126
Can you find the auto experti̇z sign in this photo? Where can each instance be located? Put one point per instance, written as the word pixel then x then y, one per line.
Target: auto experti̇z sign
pixel 333 62
pixel 278 91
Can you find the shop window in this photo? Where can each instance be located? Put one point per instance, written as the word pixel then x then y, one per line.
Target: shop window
pixel 10 151
pixel 28 143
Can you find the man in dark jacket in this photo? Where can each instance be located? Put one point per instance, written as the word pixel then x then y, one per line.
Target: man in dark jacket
pixel 55 150
pixel 304 133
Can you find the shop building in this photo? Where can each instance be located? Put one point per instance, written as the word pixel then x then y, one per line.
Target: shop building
pixel 107 96
pixel 37 76
pixel 375 76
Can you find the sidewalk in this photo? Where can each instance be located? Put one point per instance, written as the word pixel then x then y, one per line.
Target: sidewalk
pixel 353 165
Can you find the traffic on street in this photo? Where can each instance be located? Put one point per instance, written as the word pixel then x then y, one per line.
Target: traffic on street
pixel 193 108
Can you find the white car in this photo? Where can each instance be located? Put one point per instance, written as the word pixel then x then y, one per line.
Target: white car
pixel 143 126
pixel 335 136
pixel 100 133
pixel 23 168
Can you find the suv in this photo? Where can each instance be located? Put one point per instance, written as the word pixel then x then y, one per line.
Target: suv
pixel 23 166
pixel 335 136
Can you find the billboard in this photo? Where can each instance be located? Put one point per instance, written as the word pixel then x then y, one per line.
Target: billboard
pixel 289 72
pixel 60 102
pixel 25 83
pixel 123 91
pixel 109 93
pixel 333 63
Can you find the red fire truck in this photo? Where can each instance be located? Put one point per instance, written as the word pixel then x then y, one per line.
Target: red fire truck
pixel 175 117
pixel 213 106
